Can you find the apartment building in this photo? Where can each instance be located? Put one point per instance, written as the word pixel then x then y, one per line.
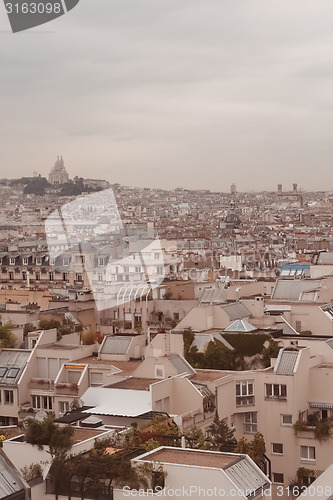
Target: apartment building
pixel 287 403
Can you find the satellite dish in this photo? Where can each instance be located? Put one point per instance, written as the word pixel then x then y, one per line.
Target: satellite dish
pixel 40 415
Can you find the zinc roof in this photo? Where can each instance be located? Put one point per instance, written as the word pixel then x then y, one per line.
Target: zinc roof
pixel 294 289
pixel 12 363
pixel 118 344
pixel 285 364
pixel 213 296
pixel 236 310
pixel 10 482
pixel 181 365
pixel 247 476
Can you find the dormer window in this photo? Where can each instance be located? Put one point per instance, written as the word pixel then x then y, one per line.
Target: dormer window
pixel 12 261
pixel 25 261
pixel 65 261
pixel 38 261
pixel 100 261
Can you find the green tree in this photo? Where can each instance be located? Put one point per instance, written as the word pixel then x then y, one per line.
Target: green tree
pixel 255 448
pixel 271 351
pixel 221 436
pixel 48 324
pixel 88 337
pixel 217 356
pixel 7 338
pixel 61 442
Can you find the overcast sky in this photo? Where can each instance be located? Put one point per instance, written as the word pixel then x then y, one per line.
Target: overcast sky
pixel 168 93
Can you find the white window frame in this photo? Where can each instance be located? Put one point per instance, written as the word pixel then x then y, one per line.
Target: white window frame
pixel 274 452
pixel 160 371
pixel 8 397
pixel 244 392
pixel 41 402
pixel 25 261
pixel 274 477
pixel 250 422
pixel 306 452
pixel 38 261
pixel 12 261
pixel 275 391
pixel 286 423
pixel 63 407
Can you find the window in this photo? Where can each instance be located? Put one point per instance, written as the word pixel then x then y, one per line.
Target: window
pixel 287 419
pixel 12 372
pixel 277 448
pixel 38 261
pixel 2 372
pixel 176 316
pixel 244 393
pixel 63 406
pixel 37 276
pixel 138 269
pixel 52 261
pixel 100 277
pixel 41 402
pixel 65 261
pixel 25 261
pixel 250 422
pixel 11 275
pixel 278 477
pixel 159 270
pixel 64 276
pixel 9 397
pixel 308 453
pixel 125 269
pixel 51 276
pixel 156 255
pixel 100 261
pixel 79 277
pixel 12 261
pixel 96 379
pixel 24 275
pixel 276 391
pixel 159 371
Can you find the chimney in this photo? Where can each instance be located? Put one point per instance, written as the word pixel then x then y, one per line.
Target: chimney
pixel 295 188
pixel 279 188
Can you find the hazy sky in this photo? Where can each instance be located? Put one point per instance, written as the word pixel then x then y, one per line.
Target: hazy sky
pixel 167 93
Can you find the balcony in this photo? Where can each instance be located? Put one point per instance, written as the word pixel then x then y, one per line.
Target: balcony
pixel 67 388
pixel 43 384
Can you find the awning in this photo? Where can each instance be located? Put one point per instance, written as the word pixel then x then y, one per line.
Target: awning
pixel 321 405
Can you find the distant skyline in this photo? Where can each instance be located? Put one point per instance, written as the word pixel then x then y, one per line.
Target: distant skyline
pixel 197 94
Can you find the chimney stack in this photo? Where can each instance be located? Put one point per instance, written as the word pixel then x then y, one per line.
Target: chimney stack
pixel 279 188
